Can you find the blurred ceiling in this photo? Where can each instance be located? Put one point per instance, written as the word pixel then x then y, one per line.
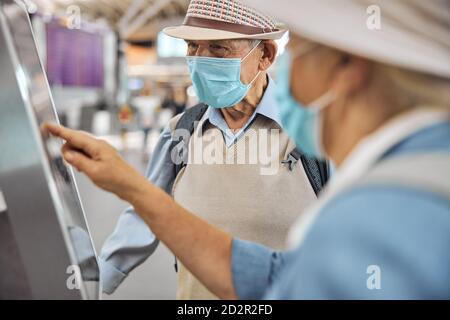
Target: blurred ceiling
pixel 135 20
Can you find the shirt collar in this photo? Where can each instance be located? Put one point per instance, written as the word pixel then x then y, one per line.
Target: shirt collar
pixel 267 107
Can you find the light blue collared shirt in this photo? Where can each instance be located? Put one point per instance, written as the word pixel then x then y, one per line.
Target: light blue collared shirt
pixel 132 241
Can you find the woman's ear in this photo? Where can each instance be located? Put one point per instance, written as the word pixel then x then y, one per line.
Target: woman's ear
pixel 352 75
pixel 270 49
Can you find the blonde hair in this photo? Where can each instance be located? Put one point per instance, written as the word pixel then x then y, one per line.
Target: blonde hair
pixel 414 89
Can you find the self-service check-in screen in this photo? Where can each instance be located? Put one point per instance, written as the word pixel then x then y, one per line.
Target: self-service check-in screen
pixel 34 88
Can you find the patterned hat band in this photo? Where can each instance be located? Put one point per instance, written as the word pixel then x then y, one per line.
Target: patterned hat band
pixel 226 26
pixel 225 19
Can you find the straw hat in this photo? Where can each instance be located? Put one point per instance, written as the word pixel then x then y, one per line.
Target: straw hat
pixel 225 19
pixel 413 34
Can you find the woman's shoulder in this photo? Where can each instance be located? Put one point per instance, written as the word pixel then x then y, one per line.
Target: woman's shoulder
pixel 398 232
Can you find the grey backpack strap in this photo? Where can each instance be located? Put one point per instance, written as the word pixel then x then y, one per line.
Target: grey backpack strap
pixel 317 171
pixel 430 172
pixel 179 147
pixel 180 142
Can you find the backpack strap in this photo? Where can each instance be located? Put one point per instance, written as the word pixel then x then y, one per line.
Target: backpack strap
pixel 317 171
pixel 180 143
pixel 179 147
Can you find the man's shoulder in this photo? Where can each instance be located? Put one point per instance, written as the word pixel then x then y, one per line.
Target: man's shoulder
pixel 174 122
pixel 190 116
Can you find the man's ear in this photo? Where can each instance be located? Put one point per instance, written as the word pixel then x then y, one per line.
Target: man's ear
pixel 352 74
pixel 270 49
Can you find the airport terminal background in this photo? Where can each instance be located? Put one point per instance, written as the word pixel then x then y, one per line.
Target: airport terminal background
pixel 113 73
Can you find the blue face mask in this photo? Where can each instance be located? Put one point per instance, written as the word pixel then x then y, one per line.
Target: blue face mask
pixel 217 81
pixel 301 123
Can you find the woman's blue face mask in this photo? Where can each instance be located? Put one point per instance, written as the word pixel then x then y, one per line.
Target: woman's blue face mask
pixel 302 123
pixel 217 81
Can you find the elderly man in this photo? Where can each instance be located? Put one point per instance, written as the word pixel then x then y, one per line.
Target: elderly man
pixel 230 49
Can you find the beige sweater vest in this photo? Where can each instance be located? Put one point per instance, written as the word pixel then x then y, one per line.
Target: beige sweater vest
pixel 246 200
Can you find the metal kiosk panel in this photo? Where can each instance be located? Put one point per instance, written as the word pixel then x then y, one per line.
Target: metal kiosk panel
pixel 46 251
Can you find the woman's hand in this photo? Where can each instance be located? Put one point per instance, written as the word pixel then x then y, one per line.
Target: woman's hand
pixel 197 244
pixel 99 161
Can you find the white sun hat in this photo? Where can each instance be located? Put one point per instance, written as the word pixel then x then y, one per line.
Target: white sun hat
pixel 225 19
pixel 412 34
